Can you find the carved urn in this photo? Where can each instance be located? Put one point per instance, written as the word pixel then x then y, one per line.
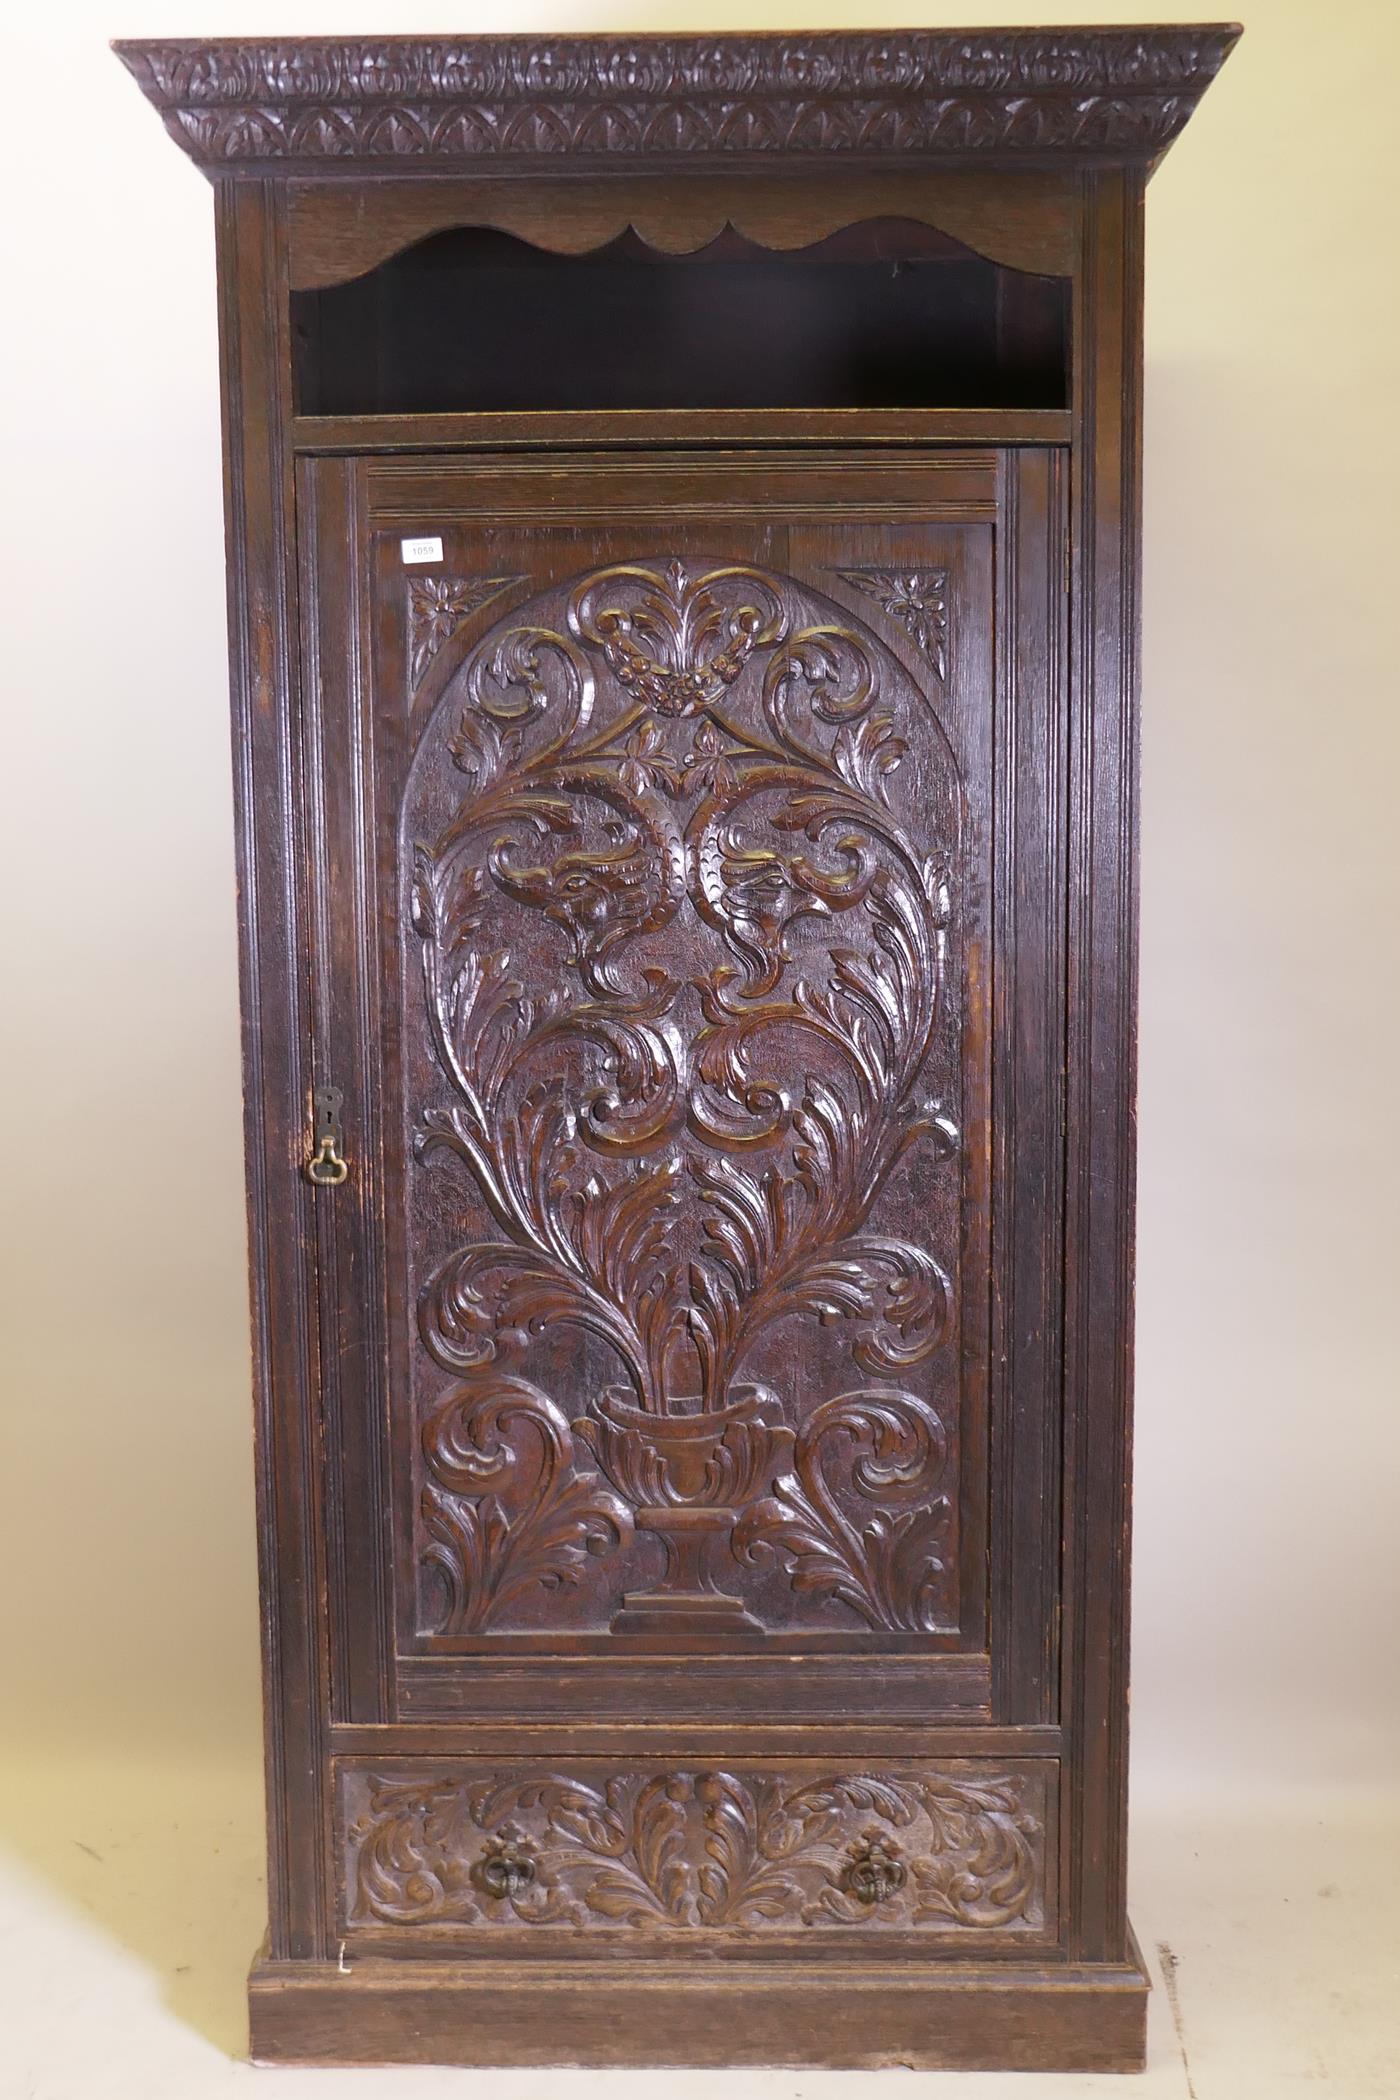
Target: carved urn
pixel 689 1474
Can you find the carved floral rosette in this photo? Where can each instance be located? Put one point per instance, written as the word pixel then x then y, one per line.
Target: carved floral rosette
pixel 955 1849
pixel 683 966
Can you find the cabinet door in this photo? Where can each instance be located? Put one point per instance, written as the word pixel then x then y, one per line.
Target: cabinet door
pixel 686 957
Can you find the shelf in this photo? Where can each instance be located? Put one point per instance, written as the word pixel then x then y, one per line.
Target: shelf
pixel 676 426
pixel 887 313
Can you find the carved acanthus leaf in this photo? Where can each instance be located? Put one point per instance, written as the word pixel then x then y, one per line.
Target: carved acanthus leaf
pixel 988 95
pixel 680 1142
pixel 437 606
pixel 656 1849
pixel 917 599
pixel 892 1571
pixel 507 1508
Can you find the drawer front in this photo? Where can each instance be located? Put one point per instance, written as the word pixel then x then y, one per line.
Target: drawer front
pixel 476 1852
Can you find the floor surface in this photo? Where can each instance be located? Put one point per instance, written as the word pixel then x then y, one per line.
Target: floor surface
pixel 130 1902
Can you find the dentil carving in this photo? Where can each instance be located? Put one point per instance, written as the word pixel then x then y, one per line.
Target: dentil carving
pixel 947 1849
pixel 680 1126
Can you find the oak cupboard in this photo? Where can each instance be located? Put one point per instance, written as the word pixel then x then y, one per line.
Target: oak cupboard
pixel 682 526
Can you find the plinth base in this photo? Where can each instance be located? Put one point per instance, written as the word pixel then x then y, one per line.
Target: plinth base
pixel 928 2015
pixel 687 1601
pixel 683 1611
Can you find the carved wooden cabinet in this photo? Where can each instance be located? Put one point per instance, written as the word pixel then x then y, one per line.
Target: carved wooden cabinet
pixel 682 508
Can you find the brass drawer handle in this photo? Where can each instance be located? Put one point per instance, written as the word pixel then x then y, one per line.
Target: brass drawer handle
pixel 872 1872
pixel 506 1867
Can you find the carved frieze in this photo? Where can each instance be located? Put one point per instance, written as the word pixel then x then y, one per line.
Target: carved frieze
pixel 990 95
pixel 953 1849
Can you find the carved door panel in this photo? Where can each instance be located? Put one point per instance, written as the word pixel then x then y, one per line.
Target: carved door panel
pixel 657 956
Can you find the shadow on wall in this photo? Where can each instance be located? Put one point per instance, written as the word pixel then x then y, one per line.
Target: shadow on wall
pixel 167 1859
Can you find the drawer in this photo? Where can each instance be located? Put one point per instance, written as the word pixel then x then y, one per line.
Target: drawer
pixel 649 1851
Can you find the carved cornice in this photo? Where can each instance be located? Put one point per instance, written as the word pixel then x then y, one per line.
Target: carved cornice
pixel 1008 96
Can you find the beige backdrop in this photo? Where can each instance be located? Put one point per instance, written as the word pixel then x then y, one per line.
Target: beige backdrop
pixel 1267 1446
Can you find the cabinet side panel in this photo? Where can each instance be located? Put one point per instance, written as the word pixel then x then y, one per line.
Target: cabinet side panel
pixel 342 827
pixel 1028 1119
pixel 1101 1053
pixel 276 1040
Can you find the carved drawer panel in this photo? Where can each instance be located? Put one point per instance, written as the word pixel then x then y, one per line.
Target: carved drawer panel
pixel 653 1849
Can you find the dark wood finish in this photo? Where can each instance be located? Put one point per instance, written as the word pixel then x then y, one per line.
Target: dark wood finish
pixel 279 1069
pixel 692 890
pixel 1029 222
pixel 584 429
pixel 698 787
pixel 1000 95
pixel 1101 1055
pixel 936 2016
pixel 644 1856
pixel 887 314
